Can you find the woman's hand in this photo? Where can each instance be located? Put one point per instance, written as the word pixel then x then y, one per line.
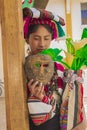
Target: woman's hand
pixel 35 89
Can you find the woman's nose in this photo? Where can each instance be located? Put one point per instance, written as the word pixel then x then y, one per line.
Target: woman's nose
pixel 42 43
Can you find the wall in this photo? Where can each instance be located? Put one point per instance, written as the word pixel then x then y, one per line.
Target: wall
pixel 76 19
pixel 58 7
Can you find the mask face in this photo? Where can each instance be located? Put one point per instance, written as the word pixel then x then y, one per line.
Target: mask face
pixel 39 67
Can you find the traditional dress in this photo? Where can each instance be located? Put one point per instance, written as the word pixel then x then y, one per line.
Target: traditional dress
pixel 48 108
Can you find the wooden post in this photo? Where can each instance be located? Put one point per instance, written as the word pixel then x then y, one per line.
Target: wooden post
pixel 13 58
pixel 68 17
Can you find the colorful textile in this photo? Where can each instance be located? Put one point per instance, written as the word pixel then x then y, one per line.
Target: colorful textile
pixel 39 111
pixel 27 3
pixel 46 108
pixel 72 101
pixel 52 124
pixel 33 16
pixel 34 21
pixel 64 115
pixel 60 71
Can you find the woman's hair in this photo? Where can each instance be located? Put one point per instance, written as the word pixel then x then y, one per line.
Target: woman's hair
pixel 33 28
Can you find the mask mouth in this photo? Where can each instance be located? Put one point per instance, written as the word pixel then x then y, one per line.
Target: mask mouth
pixel 40 78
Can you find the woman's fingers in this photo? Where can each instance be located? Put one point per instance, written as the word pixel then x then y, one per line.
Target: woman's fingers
pixel 30 82
pixel 36 90
pixel 40 91
pixel 32 85
pixel 41 88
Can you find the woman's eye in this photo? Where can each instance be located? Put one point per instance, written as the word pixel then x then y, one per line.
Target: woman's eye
pixel 36 38
pixel 46 39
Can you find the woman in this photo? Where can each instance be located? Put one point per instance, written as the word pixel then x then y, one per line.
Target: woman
pixel 39 32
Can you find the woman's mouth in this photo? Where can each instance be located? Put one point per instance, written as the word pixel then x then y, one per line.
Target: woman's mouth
pixel 36 51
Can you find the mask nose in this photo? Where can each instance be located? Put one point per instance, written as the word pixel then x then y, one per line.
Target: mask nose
pixel 41 70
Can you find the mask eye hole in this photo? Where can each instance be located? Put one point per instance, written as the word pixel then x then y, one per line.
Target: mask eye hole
pixel 45 65
pixel 38 65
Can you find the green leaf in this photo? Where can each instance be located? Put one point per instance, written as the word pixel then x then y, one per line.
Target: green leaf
pixel 84 33
pixel 85 62
pixel 80 58
pixel 70 46
pixel 53 53
pixel 59 58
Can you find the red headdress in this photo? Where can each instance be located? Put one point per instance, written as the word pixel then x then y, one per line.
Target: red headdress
pixel 34 16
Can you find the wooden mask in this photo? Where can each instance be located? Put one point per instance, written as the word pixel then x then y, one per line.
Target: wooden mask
pixel 39 67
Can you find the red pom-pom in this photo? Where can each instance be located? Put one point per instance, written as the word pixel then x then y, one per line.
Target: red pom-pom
pixel 30 1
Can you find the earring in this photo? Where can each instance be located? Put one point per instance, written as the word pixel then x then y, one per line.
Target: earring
pixel 27 50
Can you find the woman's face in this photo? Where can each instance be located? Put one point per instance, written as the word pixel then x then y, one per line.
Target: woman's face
pixel 40 39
